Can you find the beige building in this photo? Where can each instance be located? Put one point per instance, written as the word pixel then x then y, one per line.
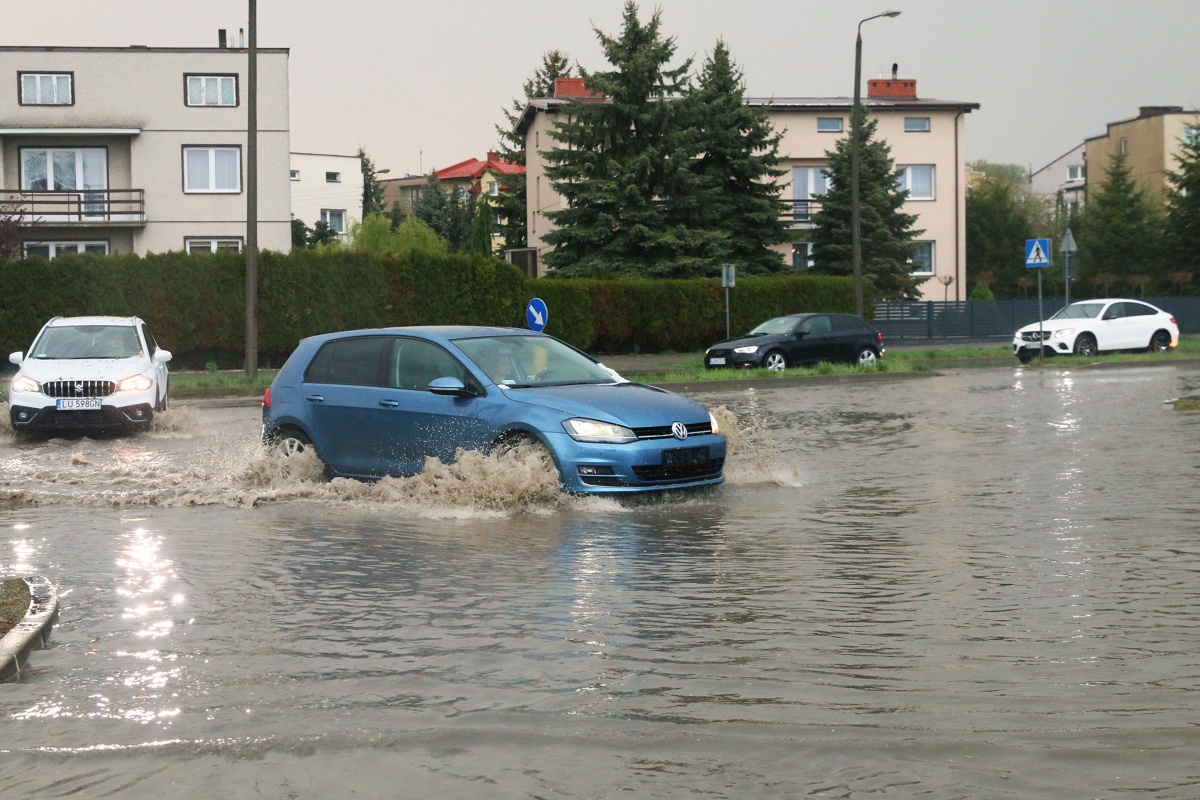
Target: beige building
pixel 142 149
pixel 327 188
pixel 927 140
pixel 1150 142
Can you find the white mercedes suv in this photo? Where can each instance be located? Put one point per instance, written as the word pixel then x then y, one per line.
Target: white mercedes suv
pixel 84 373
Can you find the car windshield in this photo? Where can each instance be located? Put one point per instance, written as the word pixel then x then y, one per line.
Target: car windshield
pixel 87 341
pixel 775 325
pixel 1080 311
pixel 523 361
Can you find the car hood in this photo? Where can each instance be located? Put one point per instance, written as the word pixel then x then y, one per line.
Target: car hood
pixel 84 369
pixel 747 341
pixel 634 405
pixel 1052 325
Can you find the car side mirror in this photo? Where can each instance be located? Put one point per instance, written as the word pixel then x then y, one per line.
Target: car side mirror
pixel 16 358
pixel 800 334
pixel 1111 315
pixel 162 356
pixel 449 387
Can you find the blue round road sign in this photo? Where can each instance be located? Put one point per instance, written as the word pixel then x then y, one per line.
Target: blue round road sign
pixel 536 314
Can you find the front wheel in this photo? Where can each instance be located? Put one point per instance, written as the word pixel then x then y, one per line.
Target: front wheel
pixel 1160 342
pixel 774 361
pixel 866 357
pixel 1024 355
pixel 1085 345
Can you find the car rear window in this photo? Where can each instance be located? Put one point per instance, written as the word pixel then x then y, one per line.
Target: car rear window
pixel 351 362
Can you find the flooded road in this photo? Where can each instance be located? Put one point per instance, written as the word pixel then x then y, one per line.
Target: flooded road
pixel 980 584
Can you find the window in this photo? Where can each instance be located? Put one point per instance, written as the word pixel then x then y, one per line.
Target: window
pixel 494 188
pixel 356 361
pixel 917 179
pixel 295 175
pixel 916 125
pixel 212 170
pixel 333 177
pixel 802 255
pixel 47 88
pixel 1075 172
pixel 1124 146
pixel 460 192
pixel 922 261
pixel 62 168
pixel 1191 135
pixel 414 363
pixel 50 250
pixel 228 244
pixel 808 184
pixel 211 90
pixel 829 124
pixel 334 218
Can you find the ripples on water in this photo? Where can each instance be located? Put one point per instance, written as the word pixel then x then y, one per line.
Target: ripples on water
pixel 983 585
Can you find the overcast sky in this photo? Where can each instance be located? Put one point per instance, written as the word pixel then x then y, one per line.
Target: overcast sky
pixel 420 84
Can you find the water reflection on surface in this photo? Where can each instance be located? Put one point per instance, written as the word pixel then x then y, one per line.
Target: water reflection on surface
pixel 976 585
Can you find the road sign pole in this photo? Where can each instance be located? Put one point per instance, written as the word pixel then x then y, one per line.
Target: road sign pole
pixel 727 334
pixel 1041 321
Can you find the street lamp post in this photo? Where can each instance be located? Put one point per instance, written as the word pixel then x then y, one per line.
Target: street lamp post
pixel 855 122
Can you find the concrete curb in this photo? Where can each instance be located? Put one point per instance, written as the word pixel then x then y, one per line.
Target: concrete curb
pixel 31 632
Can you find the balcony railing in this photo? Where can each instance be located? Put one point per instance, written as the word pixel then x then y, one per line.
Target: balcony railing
pixel 78 206
pixel 799 212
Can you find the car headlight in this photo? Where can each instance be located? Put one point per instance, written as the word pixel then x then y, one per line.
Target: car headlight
pixel 1062 334
pixel 751 349
pixel 591 430
pixel 713 421
pixel 137 383
pixel 22 383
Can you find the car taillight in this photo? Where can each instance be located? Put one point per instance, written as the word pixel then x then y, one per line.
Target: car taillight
pixel 267 398
pixel 879 336
pixel 1173 322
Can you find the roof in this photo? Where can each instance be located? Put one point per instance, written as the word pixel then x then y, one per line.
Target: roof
pixel 136 48
pixel 473 169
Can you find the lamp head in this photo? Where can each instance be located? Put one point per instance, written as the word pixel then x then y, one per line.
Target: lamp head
pixel 890 14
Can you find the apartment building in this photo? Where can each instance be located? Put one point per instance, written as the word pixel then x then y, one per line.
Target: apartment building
pixel 327 188
pixel 141 149
pixel 1150 142
pixel 927 141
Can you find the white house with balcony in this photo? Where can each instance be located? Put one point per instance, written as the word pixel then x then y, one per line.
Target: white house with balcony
pixel 141 149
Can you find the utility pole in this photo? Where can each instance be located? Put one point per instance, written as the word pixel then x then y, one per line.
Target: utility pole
pixel 252 199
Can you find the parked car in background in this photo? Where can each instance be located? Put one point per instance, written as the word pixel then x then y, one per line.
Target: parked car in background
pixel 1091 327
pixel 378 402
pixel 89 373
pixel 800 339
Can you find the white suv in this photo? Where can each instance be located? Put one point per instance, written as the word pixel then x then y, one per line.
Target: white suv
pixel 89 373
pixel 1090 327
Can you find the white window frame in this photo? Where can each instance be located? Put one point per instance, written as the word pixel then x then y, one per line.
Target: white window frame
pixel 1075 172
pixel 294 174
pixel 54 86
pixel 493 188
pixel 1191 134
pixel 1123 146
pixel 333 177
pixel 918 125
pixel 932 249
pixel 77 246
pixel 211 150
pixel 830 124
pixel 327 218
pixel 215 83
pixel 905 180
pixel 211 244
pixel 808 255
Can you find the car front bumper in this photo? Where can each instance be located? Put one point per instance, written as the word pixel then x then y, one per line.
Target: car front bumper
pixel 36 412
pixel 733 361
pixel 648 465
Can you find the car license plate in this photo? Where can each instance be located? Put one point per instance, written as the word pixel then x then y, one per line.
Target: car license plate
pixel 716 362
pixel 685 456
pixel 77 404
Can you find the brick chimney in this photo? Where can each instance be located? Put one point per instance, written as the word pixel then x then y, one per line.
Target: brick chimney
pixel 572 87
pixel 893 87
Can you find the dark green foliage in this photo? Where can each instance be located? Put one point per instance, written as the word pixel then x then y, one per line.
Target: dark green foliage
pixel 737 162
pixel 300 234
pixel 511 204
pixel 1120 232
pixel 195 304
pixel 479 238
pixel 1183 207
pixel 886 232
pixel 448 215
pixel 372 199
pixel 321 233
pixel 1000 217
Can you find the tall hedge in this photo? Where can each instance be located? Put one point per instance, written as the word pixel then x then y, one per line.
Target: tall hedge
pixel 195 304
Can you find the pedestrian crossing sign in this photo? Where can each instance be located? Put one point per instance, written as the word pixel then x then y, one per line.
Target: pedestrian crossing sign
pixel 1037 253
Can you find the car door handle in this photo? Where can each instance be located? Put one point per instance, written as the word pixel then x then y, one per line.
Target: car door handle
pixel 389 403
pixel 315 398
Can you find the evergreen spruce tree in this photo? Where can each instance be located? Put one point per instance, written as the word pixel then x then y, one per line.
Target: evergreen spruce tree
pixel 1183 206
pixel 511 204
pixel 1120 231
pixel 886 232
pixel 450 216
pixel 622 161
pixel 479 238
pixel 737 163
pixel 372 199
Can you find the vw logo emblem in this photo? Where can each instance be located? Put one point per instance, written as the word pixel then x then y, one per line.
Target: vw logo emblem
pixel 679 430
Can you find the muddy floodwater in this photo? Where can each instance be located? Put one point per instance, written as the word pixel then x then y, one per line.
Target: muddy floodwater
pixel 982 584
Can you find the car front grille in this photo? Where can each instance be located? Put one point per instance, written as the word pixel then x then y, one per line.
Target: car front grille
pixel 664 431
pixel 700 471
pixel 78 388
pixel 1032 336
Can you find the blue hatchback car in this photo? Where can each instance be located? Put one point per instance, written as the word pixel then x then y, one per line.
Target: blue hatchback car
pixel 377 402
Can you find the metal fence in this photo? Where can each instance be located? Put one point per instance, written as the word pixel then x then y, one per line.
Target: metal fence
pixel 935 319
